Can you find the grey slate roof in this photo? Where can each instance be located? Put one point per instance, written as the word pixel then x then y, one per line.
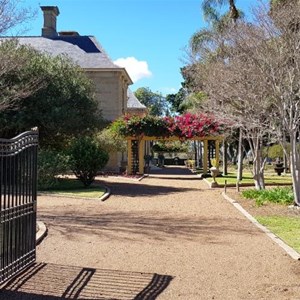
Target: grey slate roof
pixel 133 102
pixel 83 50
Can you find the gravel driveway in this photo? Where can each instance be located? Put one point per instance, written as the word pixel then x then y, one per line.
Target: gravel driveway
pixel 165 237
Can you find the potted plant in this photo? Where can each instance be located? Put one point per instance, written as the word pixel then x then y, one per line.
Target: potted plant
pixel 279 168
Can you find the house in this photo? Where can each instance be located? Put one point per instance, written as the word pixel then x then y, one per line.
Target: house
pixel 111 81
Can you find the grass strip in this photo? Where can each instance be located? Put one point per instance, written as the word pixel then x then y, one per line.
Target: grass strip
pixel 248 179
pixel 75 188
pixel 286 228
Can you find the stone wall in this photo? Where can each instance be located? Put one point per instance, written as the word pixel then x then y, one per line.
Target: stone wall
pixel 111 94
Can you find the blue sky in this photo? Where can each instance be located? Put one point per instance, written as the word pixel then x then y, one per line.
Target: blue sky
pixel 147 37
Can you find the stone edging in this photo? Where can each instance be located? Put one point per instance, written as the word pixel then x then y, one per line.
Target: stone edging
pixel 289 250
pixel 41 233
pixel 102 198
pixel 143 176
pixel 106 194
pixel 241 184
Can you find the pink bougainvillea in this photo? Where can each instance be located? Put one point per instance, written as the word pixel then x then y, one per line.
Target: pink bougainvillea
pixel 191 125
pixel 185 126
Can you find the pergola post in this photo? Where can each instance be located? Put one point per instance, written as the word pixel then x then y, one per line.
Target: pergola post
pixel 129 157
pixel 141 156
pixel 205 154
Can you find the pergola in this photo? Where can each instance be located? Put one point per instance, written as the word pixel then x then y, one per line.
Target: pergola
pixel 132 141
pixel 138 130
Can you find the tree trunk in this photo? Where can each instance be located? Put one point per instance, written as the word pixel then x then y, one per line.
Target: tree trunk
pixel 225 171
pixel 240 157
pixel 295 168
pixel 258 162
pixel 258 171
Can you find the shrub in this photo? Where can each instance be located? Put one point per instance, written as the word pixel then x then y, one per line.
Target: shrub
pixel 86 159
pixel 110 141
pixel 276 195
pixel 50 164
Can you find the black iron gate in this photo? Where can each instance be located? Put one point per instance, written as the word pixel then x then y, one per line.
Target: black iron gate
pixel 18 177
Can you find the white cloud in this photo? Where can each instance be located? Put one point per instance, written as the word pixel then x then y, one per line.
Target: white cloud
pixel 135 68
pixel 169 90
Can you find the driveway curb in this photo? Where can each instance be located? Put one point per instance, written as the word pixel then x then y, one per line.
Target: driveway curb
pixel 289 250
pixel 41 233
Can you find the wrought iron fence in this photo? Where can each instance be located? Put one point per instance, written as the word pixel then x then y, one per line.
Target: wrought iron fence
pixel 18 194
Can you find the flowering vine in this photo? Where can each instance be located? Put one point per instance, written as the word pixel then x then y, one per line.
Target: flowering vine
pixel 185 126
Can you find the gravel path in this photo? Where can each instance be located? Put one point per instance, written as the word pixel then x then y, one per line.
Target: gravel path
pixel 165 237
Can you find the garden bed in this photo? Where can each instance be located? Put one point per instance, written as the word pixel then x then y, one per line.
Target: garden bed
pixel 282 220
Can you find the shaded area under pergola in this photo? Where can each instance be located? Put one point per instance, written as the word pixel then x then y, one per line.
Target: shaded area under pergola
pixel 136 150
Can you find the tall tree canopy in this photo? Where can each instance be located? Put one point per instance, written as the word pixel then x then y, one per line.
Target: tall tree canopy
pixel 62 106
pixel 256 82
pixel 155 102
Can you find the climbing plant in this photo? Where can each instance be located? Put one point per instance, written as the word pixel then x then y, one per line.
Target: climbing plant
pixel 186 126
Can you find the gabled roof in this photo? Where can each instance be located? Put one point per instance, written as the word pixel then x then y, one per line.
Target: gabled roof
pixel 133 102
pixel 83 50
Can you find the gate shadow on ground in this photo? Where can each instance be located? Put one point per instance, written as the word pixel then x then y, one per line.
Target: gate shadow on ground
pixel 45 281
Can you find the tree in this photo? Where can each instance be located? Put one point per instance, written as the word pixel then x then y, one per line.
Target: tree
pixel 61 107
pixel 16 80
pixel 155 102
pixel 177 101
pixel 12 15
pixel 203 49
pixel 258 85
pixel 210 12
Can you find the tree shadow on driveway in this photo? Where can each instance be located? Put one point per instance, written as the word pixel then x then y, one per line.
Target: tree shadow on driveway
pixel 44 281
pixel 138 189
pixel 139 226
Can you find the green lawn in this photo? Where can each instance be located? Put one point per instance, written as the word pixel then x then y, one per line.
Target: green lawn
pixel 75 188
pixel 270 178
pixel 287 228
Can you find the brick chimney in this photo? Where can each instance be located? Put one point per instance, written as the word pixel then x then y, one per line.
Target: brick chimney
pixel 50 14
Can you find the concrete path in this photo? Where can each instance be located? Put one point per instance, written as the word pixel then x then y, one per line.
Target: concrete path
pixel 165 237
